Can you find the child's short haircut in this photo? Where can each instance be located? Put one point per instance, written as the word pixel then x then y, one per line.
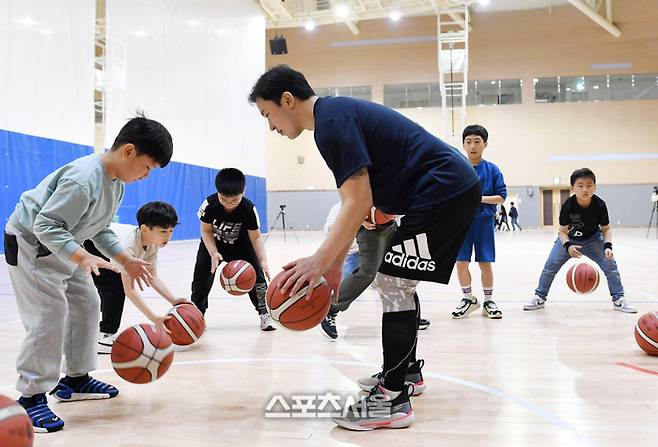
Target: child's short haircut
pixel 230 182
pixel 273 83
pixel 582 173
pixel 476 130
pixel 149 137
pixel 157 214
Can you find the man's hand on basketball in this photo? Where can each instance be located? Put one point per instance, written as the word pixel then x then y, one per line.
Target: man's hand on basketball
pixel 216 258
pixel 298 273
pixel 608 253
pixel 138 271
pixel 574 251
pixel 368 226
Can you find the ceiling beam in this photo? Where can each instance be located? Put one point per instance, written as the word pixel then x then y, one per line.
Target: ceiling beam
pixel 596 17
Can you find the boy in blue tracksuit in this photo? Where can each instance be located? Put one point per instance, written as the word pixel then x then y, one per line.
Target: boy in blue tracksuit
pixel 481 233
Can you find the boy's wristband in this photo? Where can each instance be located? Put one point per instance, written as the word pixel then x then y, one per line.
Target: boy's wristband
pixel 566 246
pixel 607 245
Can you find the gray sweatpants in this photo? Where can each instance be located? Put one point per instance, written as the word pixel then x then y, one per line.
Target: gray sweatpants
pixel 372 247
pixel 59 307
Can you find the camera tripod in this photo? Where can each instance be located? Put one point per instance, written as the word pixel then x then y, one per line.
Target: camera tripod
pixel 654 210
pixel 282 216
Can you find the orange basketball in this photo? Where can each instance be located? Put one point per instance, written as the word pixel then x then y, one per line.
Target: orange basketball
pixel 186 324
pixel 238 277
pixel 582 278
pixel 646 333
pixel 379 217
pixel 142 353
pixel 296 312
pixel 15 425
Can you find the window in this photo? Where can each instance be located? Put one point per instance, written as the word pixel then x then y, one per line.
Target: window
pixel 361 92
pixel 596 88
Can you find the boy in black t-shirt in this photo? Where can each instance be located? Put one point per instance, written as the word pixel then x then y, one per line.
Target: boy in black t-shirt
pixel 230 231
pixel 584 229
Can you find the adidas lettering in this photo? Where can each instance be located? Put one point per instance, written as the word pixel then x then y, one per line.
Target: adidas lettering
pixel 409 262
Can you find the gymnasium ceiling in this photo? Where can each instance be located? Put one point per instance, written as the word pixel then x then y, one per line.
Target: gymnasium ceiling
pixel 299 13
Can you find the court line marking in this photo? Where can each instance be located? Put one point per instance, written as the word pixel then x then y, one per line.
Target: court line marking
pixel 528 406
pixel 637 368
pixel 647 294
pixel 9 322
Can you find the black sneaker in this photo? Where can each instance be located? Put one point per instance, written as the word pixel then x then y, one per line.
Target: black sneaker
pixel 413 378
pixel 377 410
pixel 423 324
pixel 43 419
pixel 328 326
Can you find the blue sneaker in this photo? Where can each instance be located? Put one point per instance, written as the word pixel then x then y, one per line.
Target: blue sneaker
pixel 83 388
pixel 43 419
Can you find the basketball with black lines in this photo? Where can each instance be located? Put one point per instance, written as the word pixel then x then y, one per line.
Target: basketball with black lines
pixel 186 324
pixel 15 425
pixel 646 333
pixel 238 277
pixel 142 353
pixel 296 312
pixel 582 278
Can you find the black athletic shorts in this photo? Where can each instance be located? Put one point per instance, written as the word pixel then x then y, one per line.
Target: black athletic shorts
pixel 426 244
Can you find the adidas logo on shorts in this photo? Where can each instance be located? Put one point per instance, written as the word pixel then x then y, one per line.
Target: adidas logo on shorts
pixel 407 256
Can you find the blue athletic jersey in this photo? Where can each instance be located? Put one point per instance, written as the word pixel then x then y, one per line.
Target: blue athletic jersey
pixel 409 168
pixel 493 184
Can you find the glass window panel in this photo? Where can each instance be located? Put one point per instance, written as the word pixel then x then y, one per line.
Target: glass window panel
pixel 646 86
pixel 395 96
pixel 597 88
pixel 546 89
pixel 362 92
pixel 621 87
pixel 418 95
pixel 510 91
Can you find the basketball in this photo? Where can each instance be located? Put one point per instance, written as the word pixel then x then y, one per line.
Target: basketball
pixel 142 353
pixel 296 312
pixel 582 278
pixel 646 333
pixel 186 324
pixel 238 277
pixel 15 425
pixel 378 217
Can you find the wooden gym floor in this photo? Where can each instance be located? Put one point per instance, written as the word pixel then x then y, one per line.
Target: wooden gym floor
pixel 570 374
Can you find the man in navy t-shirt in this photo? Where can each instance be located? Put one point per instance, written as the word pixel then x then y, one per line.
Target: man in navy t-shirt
pixel 378 158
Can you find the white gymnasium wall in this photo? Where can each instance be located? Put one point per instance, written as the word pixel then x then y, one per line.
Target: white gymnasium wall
pixel 47 69
pixel 189 64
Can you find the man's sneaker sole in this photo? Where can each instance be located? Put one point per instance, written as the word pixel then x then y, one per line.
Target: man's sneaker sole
pixel 530 308
pixel 626 311
pixel 417 388
pixel 470 310
pixel 397 420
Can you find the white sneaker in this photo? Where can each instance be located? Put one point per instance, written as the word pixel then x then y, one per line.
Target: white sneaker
pixel 621 305
pixel 105 342
pixel 535 303
pixel 465 308
pixel 266 323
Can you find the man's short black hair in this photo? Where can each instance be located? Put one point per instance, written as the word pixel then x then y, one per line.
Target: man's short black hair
pixel 157 214
pixel 149 137
pixel 512 203
pixel 582 173
pixel 275 81
pixel 230 182
pixel 477 130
